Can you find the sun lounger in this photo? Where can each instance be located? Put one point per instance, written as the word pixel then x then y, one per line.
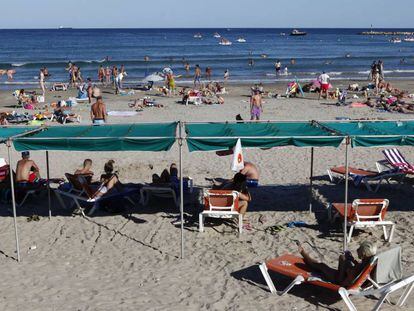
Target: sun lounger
pixel 368 178
pixel 221 204
pixel 157 191
pixel 295 268
pixel 365 213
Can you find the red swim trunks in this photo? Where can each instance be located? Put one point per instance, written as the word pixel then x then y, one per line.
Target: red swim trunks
pixel 325 86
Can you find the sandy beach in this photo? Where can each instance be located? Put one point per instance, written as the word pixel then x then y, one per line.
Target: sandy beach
pixel 130 261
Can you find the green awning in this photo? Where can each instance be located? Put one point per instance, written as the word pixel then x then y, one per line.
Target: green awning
pixel 119 137
pixel 8 132
pixel 375 133
pixel 222 136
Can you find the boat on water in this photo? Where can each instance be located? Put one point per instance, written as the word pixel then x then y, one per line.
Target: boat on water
pixel 282 34
pixel 224 41
pixel 296 32
pixel 217 35
pixel 409 39
pixel 64 28
pixel 198 36
pixel 241 40
pixel 395 40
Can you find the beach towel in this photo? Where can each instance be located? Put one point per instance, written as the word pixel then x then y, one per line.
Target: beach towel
pixel 117 113
pixel 357 105
pixel 389 266
pixel 238 160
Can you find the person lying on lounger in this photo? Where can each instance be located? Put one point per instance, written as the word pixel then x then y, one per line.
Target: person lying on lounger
pixel 348 267
pixel 166 176
pixel 86 169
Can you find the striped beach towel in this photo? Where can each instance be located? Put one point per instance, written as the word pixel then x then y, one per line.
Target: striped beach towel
pixel 397 160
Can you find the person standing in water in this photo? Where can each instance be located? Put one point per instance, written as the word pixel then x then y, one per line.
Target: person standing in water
pixel 278 67
pixel 197 76
pixel 226 75
pixel 42 81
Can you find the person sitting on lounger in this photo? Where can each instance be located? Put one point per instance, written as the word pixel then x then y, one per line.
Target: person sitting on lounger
pixel 86 169
pixel 27 171
pixel 348 267
pixel 109 180
pixel 252 174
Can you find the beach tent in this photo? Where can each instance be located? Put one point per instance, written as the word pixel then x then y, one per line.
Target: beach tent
pixel 152 137
pixel 209 136
pixel 6 135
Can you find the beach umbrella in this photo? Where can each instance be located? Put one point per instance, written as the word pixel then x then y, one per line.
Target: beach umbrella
pixel 155 77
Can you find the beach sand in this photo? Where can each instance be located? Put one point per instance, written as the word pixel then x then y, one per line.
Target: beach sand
pixel 131 262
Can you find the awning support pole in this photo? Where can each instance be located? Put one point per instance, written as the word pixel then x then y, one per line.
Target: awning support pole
pixel 180 146
pixel 13 201
pixel 311 182
pixel 48 185
pixel 346 193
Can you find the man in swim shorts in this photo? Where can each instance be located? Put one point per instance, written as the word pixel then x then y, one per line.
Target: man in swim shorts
pixel 324 81
pixel 252 174
pixel 27 171
pixel 197 75
pixel 256 106
pixel 98 112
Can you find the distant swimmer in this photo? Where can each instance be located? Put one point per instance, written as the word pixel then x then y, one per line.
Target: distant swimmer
pixel 146 59
pixel 402 61
pixel 263 56
pixel 348 55
pixel 226 75
pixel 251 62
pixel 328 62
pixel 10 73
pixel 292 61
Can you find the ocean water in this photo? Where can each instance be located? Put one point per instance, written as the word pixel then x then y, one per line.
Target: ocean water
pixel 321 50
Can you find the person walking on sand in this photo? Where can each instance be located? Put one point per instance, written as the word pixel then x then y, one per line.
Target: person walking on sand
pixel 256 107
pixel 42 81
pixel 187 69
pixel 108 76
pixel 197 76
pixel 324 81
pixel 208 73
pixel 101 74
pixel 98 112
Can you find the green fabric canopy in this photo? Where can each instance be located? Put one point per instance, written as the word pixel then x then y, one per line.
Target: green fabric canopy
pixel 119 137
pixel 8 132
pixel 222 136
pixel 375 133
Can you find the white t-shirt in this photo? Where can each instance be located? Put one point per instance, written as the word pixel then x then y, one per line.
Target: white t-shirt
pixel 324 78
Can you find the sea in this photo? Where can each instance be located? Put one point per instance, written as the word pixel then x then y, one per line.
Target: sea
pixel 342 53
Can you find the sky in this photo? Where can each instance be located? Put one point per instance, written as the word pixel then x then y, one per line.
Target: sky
pixel 206 13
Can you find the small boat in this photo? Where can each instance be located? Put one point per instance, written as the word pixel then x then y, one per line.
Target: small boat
pixel 395 40
pixel 224 41
pixel 198 36
pixel 217 35
pixel 282 34
pixel 409 39
pixel 241 40
pixel 64 28
pixel 296 32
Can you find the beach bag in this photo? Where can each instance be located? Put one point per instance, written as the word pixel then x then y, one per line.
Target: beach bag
pixel 29 106
pixel 238 160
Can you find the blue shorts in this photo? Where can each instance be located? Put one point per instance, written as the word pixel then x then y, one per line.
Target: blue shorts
pixel 98 122
pixel 252 183
pixel 197 79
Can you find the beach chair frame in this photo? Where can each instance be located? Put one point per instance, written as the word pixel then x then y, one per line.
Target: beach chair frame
pixel 147 192
pixel 216 211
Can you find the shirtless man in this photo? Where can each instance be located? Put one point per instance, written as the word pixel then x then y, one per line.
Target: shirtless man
pixel 26 170
pixel 98 112
pixel 197 75
pixel 252 174
pixel 42 81
pixel 256 106
pixel 86 169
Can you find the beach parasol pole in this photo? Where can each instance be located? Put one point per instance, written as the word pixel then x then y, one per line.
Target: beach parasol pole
pixel 346 193
pixel 48 185
pixel 311 182
pixel 180 144
pixel 13 201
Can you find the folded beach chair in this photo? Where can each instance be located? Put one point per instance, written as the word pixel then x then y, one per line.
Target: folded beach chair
pixel 395 160
pixel 365 213
pixel 368 178
pixel 294 267
pixel 221 204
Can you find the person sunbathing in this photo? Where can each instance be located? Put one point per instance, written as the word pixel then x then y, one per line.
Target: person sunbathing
pixel 3 119
pixel 86 169
pixel 348 267
pixel 27 171
pixel 166 176
pixel 109 181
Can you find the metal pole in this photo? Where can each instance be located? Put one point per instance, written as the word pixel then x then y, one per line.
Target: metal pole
pixel 13 201
pixel 311 182
pixel 48 185
pixel 180 144
pixel 346 193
